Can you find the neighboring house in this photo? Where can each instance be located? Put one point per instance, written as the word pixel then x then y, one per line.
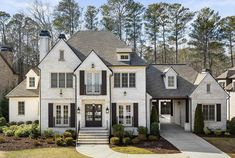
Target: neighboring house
pixel 94 80
pixel 227 81
pixel 24 99
pixel 183 89
pixel 8 77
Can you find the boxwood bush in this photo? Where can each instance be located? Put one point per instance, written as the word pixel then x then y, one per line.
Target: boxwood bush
pixel 69 141
pixel 115 141
pixel 118 130
pixel 3 121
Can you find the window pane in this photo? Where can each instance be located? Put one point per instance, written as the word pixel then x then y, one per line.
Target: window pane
pixel 208 88
pixel 124 56
pixel 97 82
pixel 89 82
pixel 124 79
pixel 117 80
pixel 61 55
pixel 205 112
pixel 132 80
pixel 171 80
pixel 66 114
pixel 61 80
pixel 69 80
pixel 120 116
pixel 211 113
pixel 21 108
pixel 53 80
pixel 31 82
pixel 58 114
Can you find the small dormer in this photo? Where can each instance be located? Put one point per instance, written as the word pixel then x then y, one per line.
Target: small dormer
pixel 123 54
pixel 170 78
pixel 32 79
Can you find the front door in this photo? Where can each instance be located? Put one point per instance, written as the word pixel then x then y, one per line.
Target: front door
pixel 93 115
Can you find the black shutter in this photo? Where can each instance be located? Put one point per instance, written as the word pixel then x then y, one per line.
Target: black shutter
pixel 82 83
pixel 187 111
pixel 114 113
pixel 104 83
pixel 172 108
pixel 136 115
pixel 218 111
pixel 50 115
pixel 72 115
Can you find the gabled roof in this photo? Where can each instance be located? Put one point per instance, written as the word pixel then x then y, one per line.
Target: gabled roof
pixel 21 91
pixel 185 81
pixel 227 74
pixel 105 44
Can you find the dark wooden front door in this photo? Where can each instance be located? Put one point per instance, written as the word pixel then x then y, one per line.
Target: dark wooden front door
pixel 93 115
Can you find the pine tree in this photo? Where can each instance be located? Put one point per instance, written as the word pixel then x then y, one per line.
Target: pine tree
pixel 4 17
pixel 91 19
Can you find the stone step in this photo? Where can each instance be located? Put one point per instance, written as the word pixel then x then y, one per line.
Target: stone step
pixel 93 137
pixel 92 141
pixel 89 132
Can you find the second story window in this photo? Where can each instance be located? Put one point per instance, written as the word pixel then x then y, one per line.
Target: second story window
pixel 31 82
pixel 124 80
pixel 171 81
pixel 93 85
pixel 61 80
pixel 61 57
pixel 208 88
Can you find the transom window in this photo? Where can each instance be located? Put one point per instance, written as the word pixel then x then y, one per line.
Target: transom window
pixel 171 81
pixel 61 80
pixel 125 114
pixel 93 85
pixel 31 81
pixel 61 58
pixel 208 112
pixel 21 108
pixel 124 80
pixel 62 115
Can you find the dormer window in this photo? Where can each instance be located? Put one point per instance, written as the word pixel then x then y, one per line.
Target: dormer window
pixel 61 58
pixel 124 57
pixel 171 81
pixel 31 82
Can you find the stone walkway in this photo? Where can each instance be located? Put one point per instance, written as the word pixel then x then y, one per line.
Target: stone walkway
pixel 189 143
pixel 103 151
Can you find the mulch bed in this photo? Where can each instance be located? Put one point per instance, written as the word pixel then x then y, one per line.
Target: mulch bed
pixel 161 146
pixel 14 143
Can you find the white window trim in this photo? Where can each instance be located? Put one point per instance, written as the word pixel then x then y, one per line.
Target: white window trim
pixel 175 82
pixel 124 114
pixel 215 112
pixel 128 79
pixel 34 82
pixel 58 78
pixel 93 81
pixel 126 54
pixel 62 114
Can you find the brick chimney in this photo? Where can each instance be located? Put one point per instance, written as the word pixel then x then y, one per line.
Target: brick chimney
pixel 44 44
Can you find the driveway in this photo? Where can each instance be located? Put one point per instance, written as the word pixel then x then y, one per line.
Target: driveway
pixel 189 143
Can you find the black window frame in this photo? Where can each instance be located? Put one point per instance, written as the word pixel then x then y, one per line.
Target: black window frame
pixel 21 103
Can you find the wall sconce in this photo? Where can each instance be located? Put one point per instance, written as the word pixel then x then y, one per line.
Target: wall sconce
pixel 107 110
pixel 124 93
pixel 164 103
pixel 61 92
pixel 78 110
pixel 92 65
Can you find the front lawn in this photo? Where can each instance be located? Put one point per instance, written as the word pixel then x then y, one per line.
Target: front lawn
pixel 131 150
pixel 43 153
pixel 227 145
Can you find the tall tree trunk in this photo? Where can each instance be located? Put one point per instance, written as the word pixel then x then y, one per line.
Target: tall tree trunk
pixel 207 55
pixel 231 49
pixel 155 48
pixel 134 36
pixel 176 47
pixel 164 44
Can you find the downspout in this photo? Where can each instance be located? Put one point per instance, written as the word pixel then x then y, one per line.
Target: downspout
pixel 110 111
pixel 40 103
pixel 228 100
pixel 146 117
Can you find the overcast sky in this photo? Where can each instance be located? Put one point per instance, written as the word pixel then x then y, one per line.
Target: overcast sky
pixel 225 7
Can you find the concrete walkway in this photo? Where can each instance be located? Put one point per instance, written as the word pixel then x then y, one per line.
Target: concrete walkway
pixel 103 151
pixel 189 143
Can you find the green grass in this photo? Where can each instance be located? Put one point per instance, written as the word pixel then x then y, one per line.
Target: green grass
pixel 227 145
pixel 43 153
pixel 131 150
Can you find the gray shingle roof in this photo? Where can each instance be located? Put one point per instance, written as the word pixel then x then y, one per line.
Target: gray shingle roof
pixel 21 91
pixel 227 74
pixel 104 43
pixel 185 81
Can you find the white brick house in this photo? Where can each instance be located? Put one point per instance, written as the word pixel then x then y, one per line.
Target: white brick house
pixel 93 80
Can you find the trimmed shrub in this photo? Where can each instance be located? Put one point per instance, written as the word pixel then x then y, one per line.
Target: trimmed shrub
pixel 48 133
pixel 67 134
pixel 57 135
pixel 20 123
pixel 136 140
pixel 50 141
pixel 198 121
pixel 36 122
pixel 1 129
pixel 154 129
pixel 154 115
pixel 231 126
pixel 60 142
pixel 114 141
pixel 12 123
pixel 3 121
pixel 73 133
pixel 118 130
pixel 22 132
pixel 126 140
pixel 28 122
pixel 34 133
pixel 142 137
pixel 2 140
pixel 218 132
pixel 9 133
pixel 207 131
pixel 153 138
pixel 142 130
pixel 227 134
pixel 69 141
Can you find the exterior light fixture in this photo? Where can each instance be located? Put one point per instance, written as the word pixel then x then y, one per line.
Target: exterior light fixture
pixel 107 110
pixel 164 102
pixel 93 65
pixel 78 110
pixel 61 92
pixel 124 93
